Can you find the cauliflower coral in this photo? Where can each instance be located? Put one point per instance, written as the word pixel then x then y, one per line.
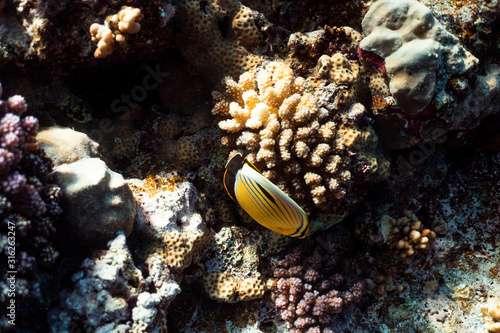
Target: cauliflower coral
pixel 272 118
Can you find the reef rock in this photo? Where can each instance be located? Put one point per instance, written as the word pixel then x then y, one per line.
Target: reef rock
pixel 167 205
pixel 97 202
pixel 434 83
pixel 108 296
pixel 64 145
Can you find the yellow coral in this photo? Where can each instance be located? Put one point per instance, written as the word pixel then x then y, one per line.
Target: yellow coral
pixel 362 142
pixel 155 184
pixel 337 68
pixel 494 312
pixel 104 38
pixel 128 20
pixel 180 247
pixel 220 287
pixel 244 27
pixel 223 287
pixel 251 288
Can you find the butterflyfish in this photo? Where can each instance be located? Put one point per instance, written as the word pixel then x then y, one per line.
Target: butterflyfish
pixel 262 200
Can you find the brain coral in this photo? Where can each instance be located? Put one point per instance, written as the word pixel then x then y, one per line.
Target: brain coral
pixel 272 118
pixel 213 36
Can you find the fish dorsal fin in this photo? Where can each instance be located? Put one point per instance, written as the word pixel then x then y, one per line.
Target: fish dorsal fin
pixel 246 161
pixel 232 168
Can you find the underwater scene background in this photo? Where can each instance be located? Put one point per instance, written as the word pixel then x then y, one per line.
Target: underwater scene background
pixel 371 126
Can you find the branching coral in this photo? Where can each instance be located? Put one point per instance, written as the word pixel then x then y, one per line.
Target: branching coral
pixel 406 235
pixel 273 117
pixel 114 30
pixel 28 203
pixel 308 292
pixel 277 122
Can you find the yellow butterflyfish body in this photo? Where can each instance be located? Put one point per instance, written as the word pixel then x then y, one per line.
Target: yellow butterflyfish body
pixel 262 200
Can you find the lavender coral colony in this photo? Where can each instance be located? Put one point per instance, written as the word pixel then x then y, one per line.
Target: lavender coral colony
pixel 28 204
pixel 309 292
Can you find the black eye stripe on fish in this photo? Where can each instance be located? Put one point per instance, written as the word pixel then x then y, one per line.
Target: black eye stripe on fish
pixel 262 200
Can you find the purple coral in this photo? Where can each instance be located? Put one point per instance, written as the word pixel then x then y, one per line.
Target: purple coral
pixel 28 204
pixel 308 295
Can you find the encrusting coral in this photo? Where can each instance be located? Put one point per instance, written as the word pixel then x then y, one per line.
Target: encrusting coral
pixel 114 30
pixel 167 207
pixel 223 287
pixel 29 204
pixel 183 152
pixel 213 37
pixel 274 119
